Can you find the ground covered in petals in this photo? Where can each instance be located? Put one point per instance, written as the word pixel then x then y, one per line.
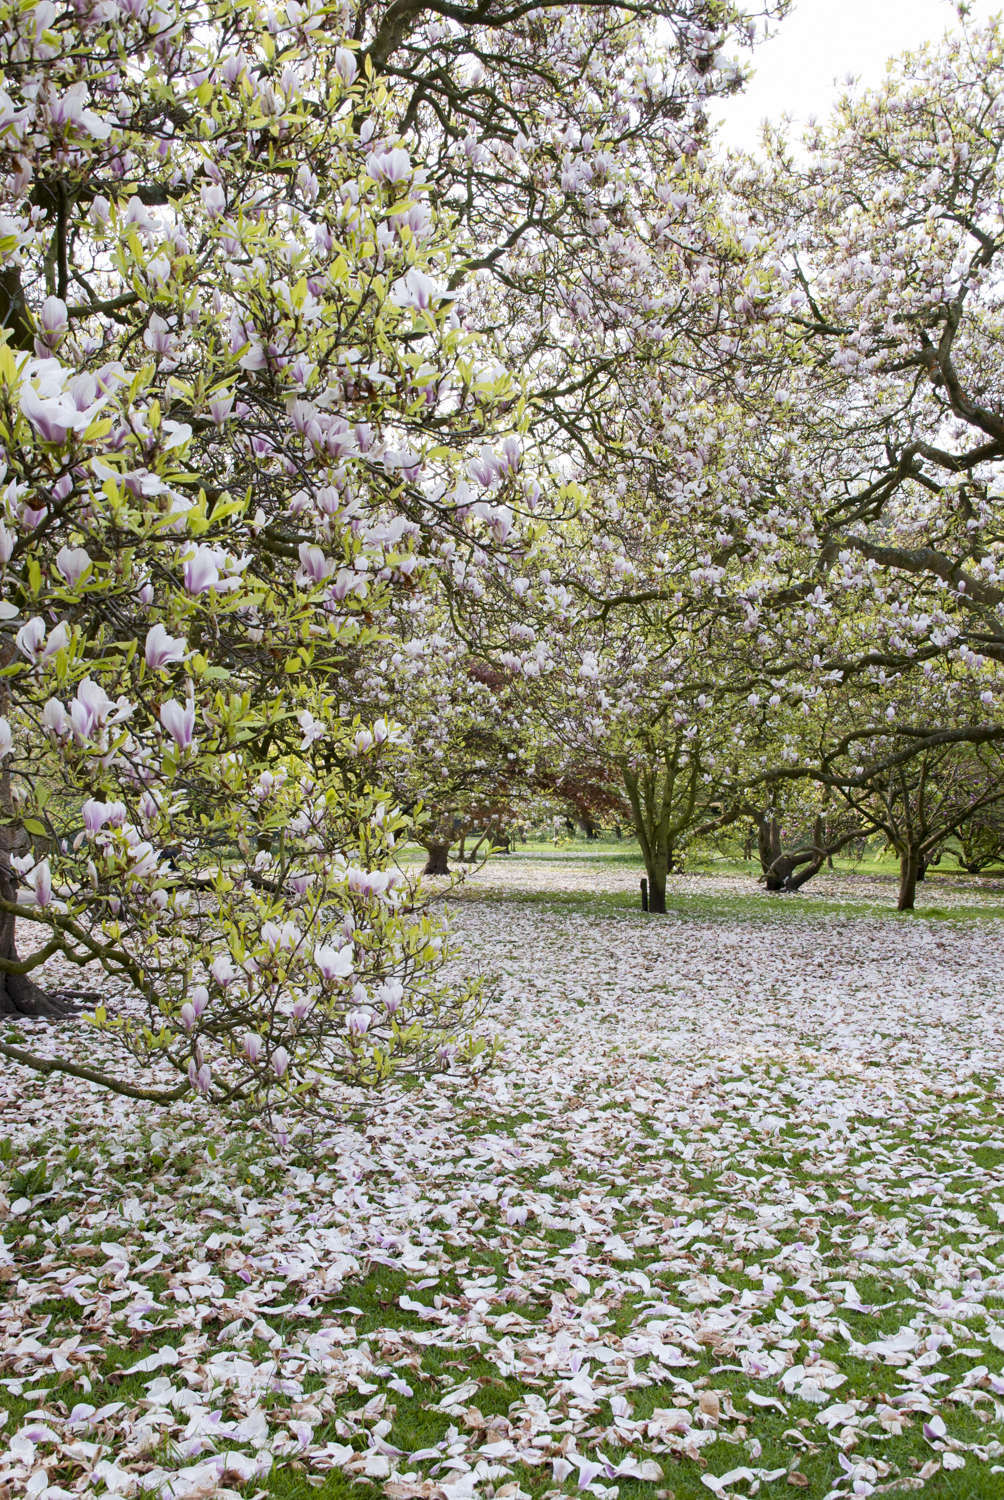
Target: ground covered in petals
pixel 727 1218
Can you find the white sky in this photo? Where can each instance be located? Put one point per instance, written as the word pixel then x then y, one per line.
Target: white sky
pixel 804 68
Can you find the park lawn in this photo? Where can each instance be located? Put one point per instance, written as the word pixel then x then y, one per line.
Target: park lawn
pixel 726 1218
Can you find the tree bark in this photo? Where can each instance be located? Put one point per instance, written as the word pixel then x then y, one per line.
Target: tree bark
pixel 657 872
pixel 19 995
pixel 14 315
pixel 791 871
pixel 437 862
pixel 768 839
pixel 909 869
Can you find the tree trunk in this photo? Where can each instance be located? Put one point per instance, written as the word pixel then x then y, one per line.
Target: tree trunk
pixel 909 869
pixel 14 315
pixel 657 871
pixel 19 995
pixel 791 871
pixel 438 853
pixel 768 838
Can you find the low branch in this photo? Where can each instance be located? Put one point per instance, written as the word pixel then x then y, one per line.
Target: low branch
pixel 47 1065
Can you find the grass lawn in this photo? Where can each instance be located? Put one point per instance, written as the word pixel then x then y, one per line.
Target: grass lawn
pixel 726 1219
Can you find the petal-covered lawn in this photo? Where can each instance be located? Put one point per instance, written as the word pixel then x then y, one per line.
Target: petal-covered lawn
pixel 725 1219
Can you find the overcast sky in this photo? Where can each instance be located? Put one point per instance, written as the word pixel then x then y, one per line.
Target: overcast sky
pixel 805 66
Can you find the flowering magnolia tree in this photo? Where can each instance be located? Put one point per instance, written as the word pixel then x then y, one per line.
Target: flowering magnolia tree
pixel 564 139
pixel 883 293
pixel 231 402
pixel 798 536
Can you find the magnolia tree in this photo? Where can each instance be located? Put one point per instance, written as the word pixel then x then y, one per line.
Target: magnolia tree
pixel 463 764
pixel 805 516
pixel 615 714
pixel 231 404
pixel 563 139
pixel 881 312
pixel 918 795
pixel 980 838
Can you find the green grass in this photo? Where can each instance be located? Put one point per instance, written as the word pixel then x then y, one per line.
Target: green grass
pixel 714 906
pixel 948 1133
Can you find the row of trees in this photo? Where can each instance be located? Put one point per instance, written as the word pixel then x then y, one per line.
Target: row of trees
pixel 786 587
pixel 405 414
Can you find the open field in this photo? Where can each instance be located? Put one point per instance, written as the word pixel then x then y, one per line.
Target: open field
pixel 727 1218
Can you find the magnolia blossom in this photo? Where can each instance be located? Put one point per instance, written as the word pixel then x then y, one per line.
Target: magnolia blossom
pixel 280 1062
pixel 224 970
pixel 500 521
pixel 73 563
pixel 143 860
pixel 416 289
pixel 277 935
pixel 40 881
pixel 200 1077
pixel 201 570
pixel 204 568
pixel 389 167
pixel 312 728
pixel 253 1047
pixel 314 566
pixel 56 403
pixel 33 643
pixel 55 719
pixel 334 963
pixel 96 814
pixel 157 335
pixel 6 740
pixel 391 993
pixel 70 108
pixel 220 407
pixel 52 322
pixel 345 64
pixel 179 722
pixel 368 882
pixel 357 1022
pixel 92 708
pixel 214 200
pixel 162 649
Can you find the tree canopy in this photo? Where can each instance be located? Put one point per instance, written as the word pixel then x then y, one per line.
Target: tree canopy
pixel 407 413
